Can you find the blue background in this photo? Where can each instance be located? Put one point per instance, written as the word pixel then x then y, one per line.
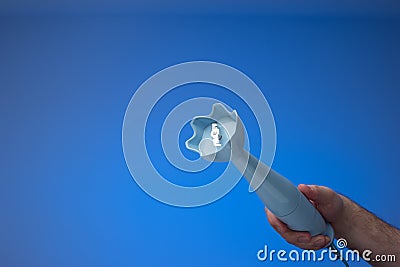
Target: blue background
pixel 67 73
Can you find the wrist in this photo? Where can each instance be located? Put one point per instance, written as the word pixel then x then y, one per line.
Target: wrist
pixel 343 224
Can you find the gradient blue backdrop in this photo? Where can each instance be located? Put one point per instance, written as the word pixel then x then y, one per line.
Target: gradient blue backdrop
pixel 66 195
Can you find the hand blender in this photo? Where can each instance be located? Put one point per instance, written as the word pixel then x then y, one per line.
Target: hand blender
pixel 219 137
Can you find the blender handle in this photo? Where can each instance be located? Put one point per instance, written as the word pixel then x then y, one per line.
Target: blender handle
pixel 281 197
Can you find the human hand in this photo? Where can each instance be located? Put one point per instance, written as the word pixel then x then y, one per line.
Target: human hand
pixel 327 202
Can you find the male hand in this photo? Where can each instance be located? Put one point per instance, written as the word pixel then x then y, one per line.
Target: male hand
pixel 327 202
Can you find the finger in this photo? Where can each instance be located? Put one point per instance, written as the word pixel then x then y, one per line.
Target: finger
pixel 308 191
pixel 323 194
pixel 318 242
pixel 315 243
pixel 277 224
pixel 296 238
pixel 299 239
pixel 318 194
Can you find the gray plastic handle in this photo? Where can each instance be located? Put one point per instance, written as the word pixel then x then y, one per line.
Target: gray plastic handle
pixel 281 197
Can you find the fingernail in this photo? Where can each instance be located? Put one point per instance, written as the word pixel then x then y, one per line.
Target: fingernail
pixel 302 239
pixel 319 242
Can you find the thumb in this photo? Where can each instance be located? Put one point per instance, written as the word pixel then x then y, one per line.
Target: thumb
pixel 307 191
pixel 318 194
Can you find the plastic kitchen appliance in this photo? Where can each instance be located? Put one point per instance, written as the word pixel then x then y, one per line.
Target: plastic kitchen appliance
pixel 219 137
